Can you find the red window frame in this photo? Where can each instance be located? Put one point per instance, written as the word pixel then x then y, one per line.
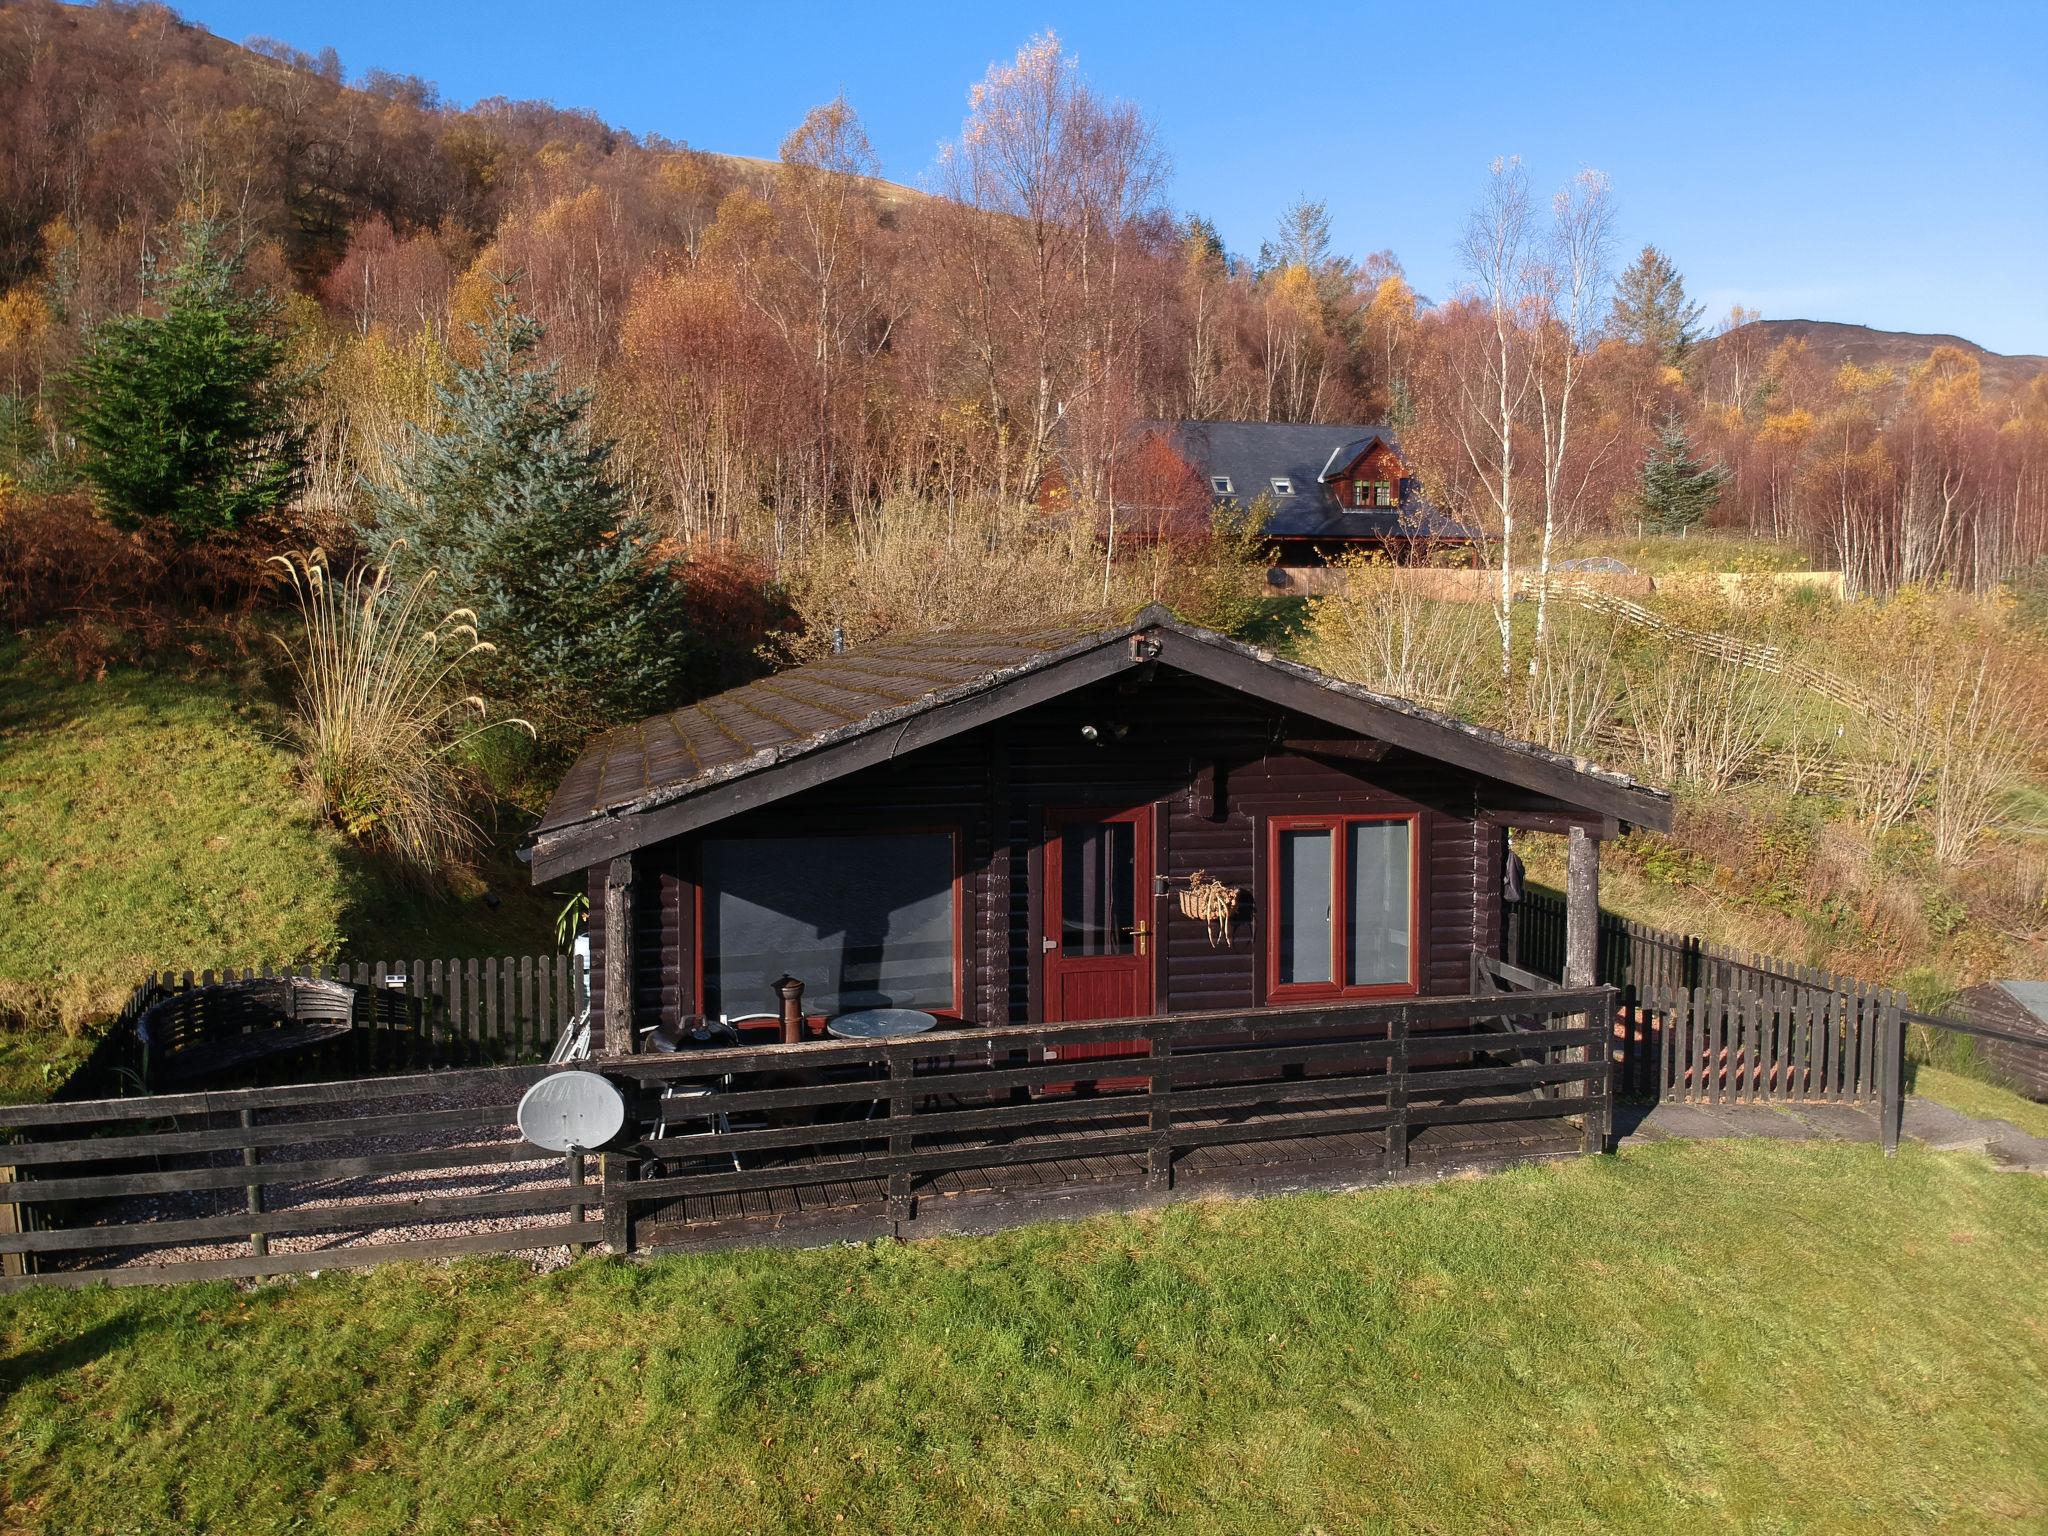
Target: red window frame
pixel 955 1012
pixel 1338 825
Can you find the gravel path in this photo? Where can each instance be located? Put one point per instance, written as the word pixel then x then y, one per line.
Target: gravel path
pixel 541 1173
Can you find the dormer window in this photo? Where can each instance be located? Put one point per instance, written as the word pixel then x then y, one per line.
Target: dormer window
pixel 1220 484
pixel 1282 486
pixel 1372 493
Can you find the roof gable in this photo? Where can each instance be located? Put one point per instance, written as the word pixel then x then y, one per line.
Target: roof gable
pixel 769 739
pixel 1345 455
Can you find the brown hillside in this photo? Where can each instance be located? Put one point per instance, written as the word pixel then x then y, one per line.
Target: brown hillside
pixel 1834 343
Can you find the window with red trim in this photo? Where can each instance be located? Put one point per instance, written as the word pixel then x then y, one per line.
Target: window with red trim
pixel 1341 905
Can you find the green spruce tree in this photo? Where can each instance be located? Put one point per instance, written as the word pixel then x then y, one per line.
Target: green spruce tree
pixel 185 415
pixel 1677 490
pixel 1651 310
pixel 513 502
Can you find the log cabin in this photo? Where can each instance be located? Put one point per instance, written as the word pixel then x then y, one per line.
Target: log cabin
pixel 1003 829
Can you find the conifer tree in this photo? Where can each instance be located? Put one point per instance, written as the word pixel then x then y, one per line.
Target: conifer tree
pixel 1650 308
pixel 513 501
pixel 1676 489
pixel 186 415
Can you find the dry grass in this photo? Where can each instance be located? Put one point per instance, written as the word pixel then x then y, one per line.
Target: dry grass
pixel 378 714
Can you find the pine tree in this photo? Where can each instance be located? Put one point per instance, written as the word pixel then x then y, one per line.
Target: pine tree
pixel 1650 308
pixel 1676 490
pixel 186 415
pixel 514 503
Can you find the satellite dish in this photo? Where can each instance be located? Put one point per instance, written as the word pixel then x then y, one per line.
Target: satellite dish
pixel 572 1110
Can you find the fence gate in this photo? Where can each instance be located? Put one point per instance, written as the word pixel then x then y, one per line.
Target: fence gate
pixel 1705 1024
pixel 1775 1041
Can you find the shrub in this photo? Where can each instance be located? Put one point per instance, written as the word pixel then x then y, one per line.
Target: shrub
pixel 97 595
pixel 378 717
pixel 1383 628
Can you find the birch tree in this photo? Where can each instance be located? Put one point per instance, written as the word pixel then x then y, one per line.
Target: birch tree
pixel 1493 379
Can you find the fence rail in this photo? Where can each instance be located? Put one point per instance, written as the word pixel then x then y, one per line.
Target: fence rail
pixel 245 1182
pixel 431 1164
pixel 890 1119
pixel 1794 1031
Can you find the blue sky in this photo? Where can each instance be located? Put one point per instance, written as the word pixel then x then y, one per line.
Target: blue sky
pixel 1875 163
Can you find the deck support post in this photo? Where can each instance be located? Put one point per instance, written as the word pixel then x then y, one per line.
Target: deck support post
pixel 901 1206
pixel 1159 1117
pixel 1397 1095
pixel 13 1222
pixel 618 957
pixel 1582 962
pixel 616 1173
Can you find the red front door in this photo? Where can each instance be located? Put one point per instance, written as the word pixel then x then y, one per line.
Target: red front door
pixel 1098 921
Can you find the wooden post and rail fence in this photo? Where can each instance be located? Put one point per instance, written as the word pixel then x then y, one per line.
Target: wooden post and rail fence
pixel 859 1135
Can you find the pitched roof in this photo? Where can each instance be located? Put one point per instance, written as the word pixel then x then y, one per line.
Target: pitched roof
pixel 2030 995
pixel 845 712
pixel 1252 454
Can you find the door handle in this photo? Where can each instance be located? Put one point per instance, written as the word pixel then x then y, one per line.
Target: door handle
pixel 1140 933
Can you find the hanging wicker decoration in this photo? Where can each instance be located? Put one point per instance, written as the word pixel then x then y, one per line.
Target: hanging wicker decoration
pixel 1210 902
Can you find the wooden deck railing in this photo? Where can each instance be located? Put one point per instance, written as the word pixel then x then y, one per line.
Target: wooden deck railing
pixel 891 1117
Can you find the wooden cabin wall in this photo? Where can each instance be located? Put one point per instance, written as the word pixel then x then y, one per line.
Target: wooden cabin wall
pixel 1215 759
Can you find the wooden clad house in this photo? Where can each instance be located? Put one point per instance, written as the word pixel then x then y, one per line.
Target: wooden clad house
pixel 1328 489
pixel 997 827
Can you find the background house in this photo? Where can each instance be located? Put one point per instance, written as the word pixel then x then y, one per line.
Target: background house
pixel 1333 490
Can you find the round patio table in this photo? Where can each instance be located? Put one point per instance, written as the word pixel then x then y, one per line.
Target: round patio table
pixel 881 1024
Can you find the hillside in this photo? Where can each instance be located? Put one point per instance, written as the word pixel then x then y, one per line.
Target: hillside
pixel 1833 343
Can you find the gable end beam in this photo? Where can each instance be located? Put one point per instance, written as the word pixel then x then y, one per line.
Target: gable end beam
pixel 1426 738
pixel 582 844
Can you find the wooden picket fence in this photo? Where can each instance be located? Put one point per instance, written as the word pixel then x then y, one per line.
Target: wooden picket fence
pixel 1776 1042
pixel 1710 1024
pixel 409 1015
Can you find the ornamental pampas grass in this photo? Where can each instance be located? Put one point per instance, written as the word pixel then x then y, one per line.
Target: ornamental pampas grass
pixel 380 714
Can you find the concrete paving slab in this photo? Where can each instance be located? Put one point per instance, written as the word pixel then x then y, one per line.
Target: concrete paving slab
pixel 1763 1120
pixel 1689 1122
pixel 1837 1122
pixel 1945 1129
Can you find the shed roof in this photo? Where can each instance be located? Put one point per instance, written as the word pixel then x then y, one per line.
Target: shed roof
pixel 1252 454
pixel 2030 995
pixel 838 714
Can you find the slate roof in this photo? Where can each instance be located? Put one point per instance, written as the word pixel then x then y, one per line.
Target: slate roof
pixel 2030 995
pixel 882 689
pixel 1253 453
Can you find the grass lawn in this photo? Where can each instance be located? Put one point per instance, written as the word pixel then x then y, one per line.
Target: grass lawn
pixel 1749 1336
pixel 150 819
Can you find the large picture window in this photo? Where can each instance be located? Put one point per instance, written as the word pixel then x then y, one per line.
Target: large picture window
pixel 1341 906
pixel 868 920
